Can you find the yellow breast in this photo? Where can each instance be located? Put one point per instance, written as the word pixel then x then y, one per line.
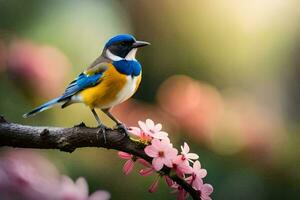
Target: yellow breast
pixel 114 88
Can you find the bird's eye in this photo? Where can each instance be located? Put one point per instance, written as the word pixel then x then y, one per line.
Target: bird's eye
pixel 123 43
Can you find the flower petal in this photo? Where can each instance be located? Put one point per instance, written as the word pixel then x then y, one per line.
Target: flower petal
pixel 167 140
pixel 169 181
pixel 186 169
pixel 168 162
pixel 135 131
pixel 171 153
pixel 197 165
pixel 186 147
pixel 146 171
pixel 165 143
pixel 150 124
pixel 192 156
pixel 202 173
pixel 160 145
pixel 197 183
pixel 82 186
pixel 157 127
pixel 161 135
pixel 151 151
pixel 143 126
pixel 100 195
pixel 207 189
pixel 124 155
pixel 128 166
pixel 157 163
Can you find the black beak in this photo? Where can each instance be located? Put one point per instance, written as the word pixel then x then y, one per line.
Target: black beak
pixel 139 44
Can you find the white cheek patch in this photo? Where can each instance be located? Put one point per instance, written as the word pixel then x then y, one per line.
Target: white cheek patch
pixel 112 56
pixel 131 54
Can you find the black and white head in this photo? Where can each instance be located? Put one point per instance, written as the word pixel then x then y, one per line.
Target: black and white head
pixel 122 47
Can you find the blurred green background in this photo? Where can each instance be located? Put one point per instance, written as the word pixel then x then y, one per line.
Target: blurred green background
pixel 222 75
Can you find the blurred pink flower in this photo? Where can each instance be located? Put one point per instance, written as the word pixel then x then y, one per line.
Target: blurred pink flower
pixel 79 190
pixel 153 130
pixel 185 152
pixel 162 153
pixel 128 166
pixel 196 107
pixel 35 66
pixel 74 191
pixel 28 176
pixel 256 127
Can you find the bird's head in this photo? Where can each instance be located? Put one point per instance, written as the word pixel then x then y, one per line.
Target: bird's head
pixel 122 47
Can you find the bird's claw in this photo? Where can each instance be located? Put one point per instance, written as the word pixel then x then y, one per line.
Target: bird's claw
pixel 102 130
pixel 122 128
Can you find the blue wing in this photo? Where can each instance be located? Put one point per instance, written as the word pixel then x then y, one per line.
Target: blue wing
pixel 90 78
pixel 83 81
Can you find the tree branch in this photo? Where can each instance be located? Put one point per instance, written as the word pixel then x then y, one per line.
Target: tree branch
pixel 69 139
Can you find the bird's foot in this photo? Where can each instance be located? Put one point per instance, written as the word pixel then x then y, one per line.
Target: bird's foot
pixel 102 130
pixel 122 128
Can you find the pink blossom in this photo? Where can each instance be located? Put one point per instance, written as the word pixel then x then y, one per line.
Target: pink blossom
pixel 198 174
pixel 185 149
pixel 145 171
pixel 142 136
pixel 128 166
pixel 153 130
pixel 162 153
pixel 206 190
pixel 182 166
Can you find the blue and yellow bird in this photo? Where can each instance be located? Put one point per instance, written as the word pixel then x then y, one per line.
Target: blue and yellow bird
pixel 110 80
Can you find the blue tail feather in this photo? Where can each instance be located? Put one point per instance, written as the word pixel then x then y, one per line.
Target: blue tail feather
pixel 43 107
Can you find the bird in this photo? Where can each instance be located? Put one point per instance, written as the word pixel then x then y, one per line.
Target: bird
pixel 108 81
